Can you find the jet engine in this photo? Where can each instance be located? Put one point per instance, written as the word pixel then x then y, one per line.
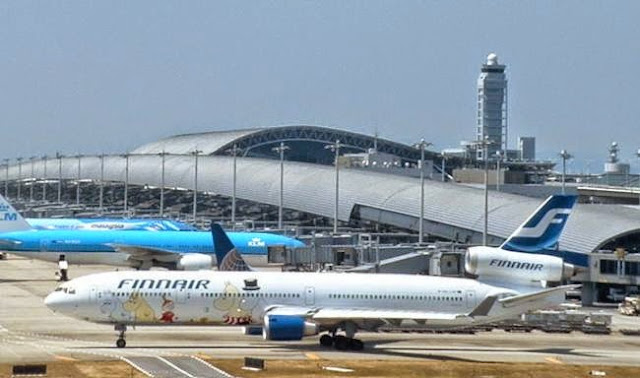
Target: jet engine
pixel 194 261
pixel 487 262
pixel 287 328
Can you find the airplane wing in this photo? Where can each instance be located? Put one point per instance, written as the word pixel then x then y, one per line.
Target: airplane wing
pixel 145 253
pixel 376 318
pixel 9 242
pixel 536 296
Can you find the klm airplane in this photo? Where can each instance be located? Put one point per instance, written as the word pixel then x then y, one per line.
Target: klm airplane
pixel 109 224
pixel 174 250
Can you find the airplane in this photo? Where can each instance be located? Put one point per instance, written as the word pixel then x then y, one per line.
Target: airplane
pixel 290 306
pixel 109 224
pixel 174 250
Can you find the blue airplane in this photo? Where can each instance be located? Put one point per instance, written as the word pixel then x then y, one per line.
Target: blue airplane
pixel 175 250
pixel 108 224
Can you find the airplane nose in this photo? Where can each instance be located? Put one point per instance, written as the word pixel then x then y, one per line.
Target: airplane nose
pixel 58 302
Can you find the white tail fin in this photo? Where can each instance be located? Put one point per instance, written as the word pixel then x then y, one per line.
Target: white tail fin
pixel 10 219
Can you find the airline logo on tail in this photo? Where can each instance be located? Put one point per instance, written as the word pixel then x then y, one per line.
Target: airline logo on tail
pixel 10 220
pixel 543 229
pixel 227 256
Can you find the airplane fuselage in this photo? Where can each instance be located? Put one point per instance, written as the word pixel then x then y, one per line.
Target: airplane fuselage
pixel 96 247
pixel 240 298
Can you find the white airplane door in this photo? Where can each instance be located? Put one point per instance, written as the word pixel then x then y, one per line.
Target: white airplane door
pixel 471 299
pixel 93 294
pixel 309 296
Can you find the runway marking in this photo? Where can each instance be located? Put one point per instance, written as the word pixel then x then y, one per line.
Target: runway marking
pixel 220 371
pixel 175 367
pixel 312 356
pixel 63 358
pixel 137 367
pixel 554 360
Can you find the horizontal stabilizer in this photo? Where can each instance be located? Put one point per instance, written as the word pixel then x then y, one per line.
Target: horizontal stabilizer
pixel 484 307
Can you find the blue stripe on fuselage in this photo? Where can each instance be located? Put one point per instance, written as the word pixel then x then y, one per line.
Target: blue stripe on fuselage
pixel 176 241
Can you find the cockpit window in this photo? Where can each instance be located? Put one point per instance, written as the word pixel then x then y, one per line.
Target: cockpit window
pixel 66 290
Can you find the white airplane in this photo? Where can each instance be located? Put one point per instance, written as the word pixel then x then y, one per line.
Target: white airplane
pixel 290 306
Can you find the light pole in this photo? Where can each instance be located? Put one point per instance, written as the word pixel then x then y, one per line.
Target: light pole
pixel 335 147
pixel 565 155
pixel 281 149
pixel 163 155
pixel 498 160
pixel 32 180
pixel 59 157
pixel 638 155
pixel 195 154
pixel 484 144
pixel 101 205
pixel 126 182
pixel 422 145
pixel 6 178
pixel 44 180
pixel 19 177
pixel 234 151
pixel 78 182
pixel 444 166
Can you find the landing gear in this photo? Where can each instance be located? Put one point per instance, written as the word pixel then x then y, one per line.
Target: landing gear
pixel 326 341
pixel 121 343
pixel 341 342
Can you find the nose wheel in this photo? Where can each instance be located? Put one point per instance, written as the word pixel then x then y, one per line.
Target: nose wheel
pixel 121 328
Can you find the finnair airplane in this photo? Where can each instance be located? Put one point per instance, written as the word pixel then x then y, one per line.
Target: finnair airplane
pixel 107 224
pixel 290 306
pixel 174 250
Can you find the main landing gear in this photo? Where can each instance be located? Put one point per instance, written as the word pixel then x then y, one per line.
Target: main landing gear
pixel 341 342
pixel 121 343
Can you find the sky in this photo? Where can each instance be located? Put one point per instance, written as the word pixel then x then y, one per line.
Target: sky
pixel 106 77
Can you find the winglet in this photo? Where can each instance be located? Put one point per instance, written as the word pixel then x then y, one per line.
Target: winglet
pixel 227 256
pixel 484 307
pixel 10 219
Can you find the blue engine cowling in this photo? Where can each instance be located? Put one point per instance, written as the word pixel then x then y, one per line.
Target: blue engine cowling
pixel 287 328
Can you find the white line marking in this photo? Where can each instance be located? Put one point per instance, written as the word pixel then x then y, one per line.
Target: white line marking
pixel 212 367
pixel 175 367
pixel 137 367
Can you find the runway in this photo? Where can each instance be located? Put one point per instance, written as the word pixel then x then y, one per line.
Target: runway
pixel 30 332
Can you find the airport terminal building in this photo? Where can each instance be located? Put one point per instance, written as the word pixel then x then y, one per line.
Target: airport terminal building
pixel 379 185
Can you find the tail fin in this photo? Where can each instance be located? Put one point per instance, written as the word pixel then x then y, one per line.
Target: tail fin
pixel 227 256
pixel 10 219
pixel 543 228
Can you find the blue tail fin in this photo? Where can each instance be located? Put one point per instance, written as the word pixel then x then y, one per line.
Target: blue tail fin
pixel 542 230
pixel 227 256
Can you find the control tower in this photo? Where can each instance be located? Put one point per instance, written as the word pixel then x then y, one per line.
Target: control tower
pixel 492 107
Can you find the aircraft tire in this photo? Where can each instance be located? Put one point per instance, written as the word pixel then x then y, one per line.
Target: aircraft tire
pixel 326 341
pixel 121 343
pixel 356 344
pixel 341 343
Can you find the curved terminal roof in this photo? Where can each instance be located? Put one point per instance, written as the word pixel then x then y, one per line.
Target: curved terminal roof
pixel 451 211
pixel 258 142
